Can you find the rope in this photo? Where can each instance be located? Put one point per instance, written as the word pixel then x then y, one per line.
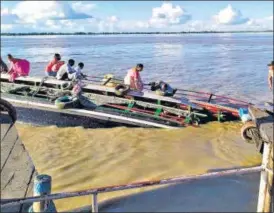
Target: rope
pixel 40 85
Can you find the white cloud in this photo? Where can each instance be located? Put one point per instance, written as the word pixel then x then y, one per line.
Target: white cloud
pixel 110 24
pixel 141 24
pixel 82 7
pixel 263 23
pixel 230 16
pixel 6 27
pixel 8 18
pixel 270 18
pixel 4 11
pixel 132 26
pixel 70 13
pixel 53 25
pixel 55 16
pixel 167 15
pixel 35 11
pixel 113 19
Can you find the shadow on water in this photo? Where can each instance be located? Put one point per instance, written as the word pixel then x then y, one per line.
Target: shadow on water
pixel 224 194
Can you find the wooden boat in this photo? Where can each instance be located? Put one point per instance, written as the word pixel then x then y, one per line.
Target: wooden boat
pixel 34 99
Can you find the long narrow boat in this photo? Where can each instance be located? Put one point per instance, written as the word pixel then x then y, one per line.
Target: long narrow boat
pixel 35 100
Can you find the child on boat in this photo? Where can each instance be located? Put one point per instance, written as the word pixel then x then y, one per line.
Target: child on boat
pixel 66 70
pixel 133 78
pixel 54 65
pixel 78 72
pixel 19 67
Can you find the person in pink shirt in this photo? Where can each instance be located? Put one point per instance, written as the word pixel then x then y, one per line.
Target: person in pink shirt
pixel 133 78
pixel 19 67
pixel 54 65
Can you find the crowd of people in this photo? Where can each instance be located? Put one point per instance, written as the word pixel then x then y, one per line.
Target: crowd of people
pixel 66 71
pixel 62 70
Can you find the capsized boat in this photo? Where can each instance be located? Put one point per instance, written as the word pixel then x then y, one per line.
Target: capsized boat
pixel 47 101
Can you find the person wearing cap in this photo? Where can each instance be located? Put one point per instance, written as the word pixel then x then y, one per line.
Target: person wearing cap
pixel 270 75
pixel 133 78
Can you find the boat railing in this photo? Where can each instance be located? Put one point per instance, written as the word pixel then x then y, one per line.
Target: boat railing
pixel 96 191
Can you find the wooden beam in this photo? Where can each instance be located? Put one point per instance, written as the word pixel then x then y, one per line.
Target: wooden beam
pixel 264 122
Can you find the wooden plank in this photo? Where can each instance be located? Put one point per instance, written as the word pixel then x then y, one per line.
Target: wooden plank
pixel 264 122
pixel 145 94
pixel 8 139
pixel 16 173
pixel 35 79
pixel 16 168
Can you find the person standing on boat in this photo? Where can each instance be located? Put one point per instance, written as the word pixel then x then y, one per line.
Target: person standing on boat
pixel 270 75
pixel 3 67
pixel 66 70
pixel 54 65
pixel 133 78
pixel 19 67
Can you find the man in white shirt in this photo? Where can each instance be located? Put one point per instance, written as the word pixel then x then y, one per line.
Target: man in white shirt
pixel 66 70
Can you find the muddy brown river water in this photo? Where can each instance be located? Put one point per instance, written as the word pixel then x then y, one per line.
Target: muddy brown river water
pixel 78 158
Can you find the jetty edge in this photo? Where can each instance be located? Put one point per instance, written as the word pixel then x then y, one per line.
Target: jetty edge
pixel 17 168
pixel 264 122
pixel 258 129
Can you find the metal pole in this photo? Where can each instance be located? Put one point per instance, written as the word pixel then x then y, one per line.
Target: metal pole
pixel 42 187
pixel 181 179
pixel 263 181
pixel 269 189
pixel 94 204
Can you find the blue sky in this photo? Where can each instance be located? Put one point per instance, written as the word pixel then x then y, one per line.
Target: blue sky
pixel 94 16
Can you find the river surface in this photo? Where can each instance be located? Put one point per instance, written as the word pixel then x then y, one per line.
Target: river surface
pixel 77 158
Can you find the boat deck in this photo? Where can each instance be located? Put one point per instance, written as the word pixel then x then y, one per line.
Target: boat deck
pixel 17 169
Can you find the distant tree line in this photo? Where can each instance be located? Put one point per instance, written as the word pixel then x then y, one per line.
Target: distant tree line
pixel 128 33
